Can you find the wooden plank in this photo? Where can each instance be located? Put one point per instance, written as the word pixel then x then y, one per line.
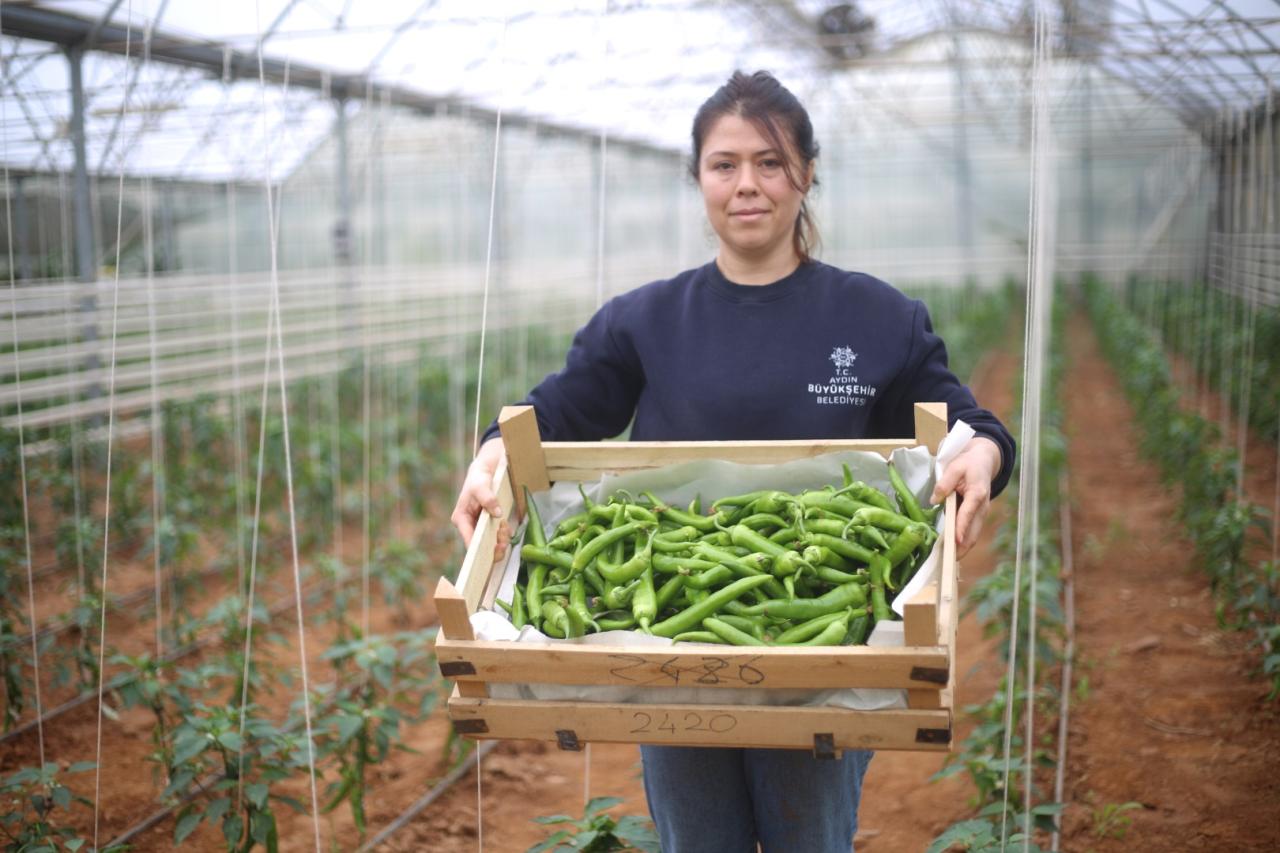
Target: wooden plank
pixel 573 460
pixel 931 425
pixel 698 666
pixel 473 577
pixel 455 622
pixel 523 442
pixel 702 725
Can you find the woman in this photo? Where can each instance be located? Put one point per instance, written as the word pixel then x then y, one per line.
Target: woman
pixel 765 343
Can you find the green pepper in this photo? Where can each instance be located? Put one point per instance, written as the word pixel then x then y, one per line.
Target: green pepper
pixel 534 532
pixel 716 576
pixel 588 552
pixel 729 633
pixel 859 628
pixel 879 569
pixel 705 523
pixel 666 564
pixel 845 595
pixel 907 541
pixel 555 621
pixel 506 608
pixel 907 501
pixel 698 637
pixel 694 614
pixel 578 601
pixel 844 548
pixel 519 608
pixel 669 590
pixel 752 625
pixel 886 519
pixel 832 635
pixel 616 623
pixel 619 597
pixel 867 494
pixel 644 604
pixel 534 554
pixel 631 569
pixel 741 567
pixel 808 629
pixel 533 592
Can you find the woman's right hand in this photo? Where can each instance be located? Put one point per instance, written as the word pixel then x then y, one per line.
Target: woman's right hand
pixel 477 494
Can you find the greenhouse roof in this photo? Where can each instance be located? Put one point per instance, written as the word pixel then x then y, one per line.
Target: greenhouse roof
pixel 186 104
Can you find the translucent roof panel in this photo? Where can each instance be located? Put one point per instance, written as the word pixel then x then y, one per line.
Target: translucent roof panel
pixel 633 69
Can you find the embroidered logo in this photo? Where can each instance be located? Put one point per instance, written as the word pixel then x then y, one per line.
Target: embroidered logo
pixel 843 387
pixel 843 357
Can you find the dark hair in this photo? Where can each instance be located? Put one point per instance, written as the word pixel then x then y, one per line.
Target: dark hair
pixel 780 118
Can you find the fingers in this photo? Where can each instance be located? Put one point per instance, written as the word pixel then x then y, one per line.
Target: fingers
pixel 974 505
pixel 948 482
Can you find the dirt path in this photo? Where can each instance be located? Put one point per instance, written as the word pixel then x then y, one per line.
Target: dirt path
pixel 1166 713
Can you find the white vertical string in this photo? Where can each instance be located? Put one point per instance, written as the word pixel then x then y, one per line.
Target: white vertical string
pixel 488 251
pixel 22 444
pixel 484 320
pixel 288 462
pixel 601 232
pixel 1039 301
pixel 157 434
pixel 111 422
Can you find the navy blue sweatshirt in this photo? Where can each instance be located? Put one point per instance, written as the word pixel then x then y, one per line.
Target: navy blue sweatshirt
pixel 822 353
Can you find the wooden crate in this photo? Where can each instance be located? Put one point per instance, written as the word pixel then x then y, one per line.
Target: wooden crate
pixel 925 666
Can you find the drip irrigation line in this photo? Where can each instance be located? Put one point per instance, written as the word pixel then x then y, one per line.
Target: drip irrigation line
pixel 431 796
pixel 1069 653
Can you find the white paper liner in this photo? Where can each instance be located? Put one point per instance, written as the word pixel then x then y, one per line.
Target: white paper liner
pixel 679 484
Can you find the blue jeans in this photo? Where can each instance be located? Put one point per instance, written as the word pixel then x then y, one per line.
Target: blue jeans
pixel 719 800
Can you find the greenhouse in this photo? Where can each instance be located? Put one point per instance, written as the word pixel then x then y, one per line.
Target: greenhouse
pixel 758 349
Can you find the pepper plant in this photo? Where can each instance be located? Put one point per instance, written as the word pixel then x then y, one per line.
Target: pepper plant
pixel 383 681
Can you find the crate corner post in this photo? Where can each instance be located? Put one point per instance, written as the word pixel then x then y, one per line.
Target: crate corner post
pixel 931 425
pixel 526 461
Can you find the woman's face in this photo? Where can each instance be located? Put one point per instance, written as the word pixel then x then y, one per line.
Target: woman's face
pixel 750 201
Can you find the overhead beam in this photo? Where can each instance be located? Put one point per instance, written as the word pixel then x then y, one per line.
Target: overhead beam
pixel 221 61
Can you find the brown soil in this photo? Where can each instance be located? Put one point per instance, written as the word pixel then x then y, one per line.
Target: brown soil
pixel 1167 711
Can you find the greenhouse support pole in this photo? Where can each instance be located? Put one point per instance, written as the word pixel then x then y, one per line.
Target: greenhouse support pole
pixel 86 268
pixel 82 212
pixel 21 230
pixel 963 168
pixel 342 223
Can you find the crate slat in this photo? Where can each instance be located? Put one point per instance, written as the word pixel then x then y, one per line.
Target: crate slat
pixel 784 727
pixel 699 665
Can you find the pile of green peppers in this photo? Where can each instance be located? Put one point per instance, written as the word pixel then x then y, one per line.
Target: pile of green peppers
pixel 763 568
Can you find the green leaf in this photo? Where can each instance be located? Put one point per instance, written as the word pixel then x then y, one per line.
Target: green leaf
pixel 217 809
pixel 261 826
pixel 549 843
pixel 599 804
pixel 61 796
pixel 186 825
pixel 74 844
pixel 257 794
pixel 555 818
pixel 232 741
pixel 80 767
pixel 233 828
pixel 188 747
pixel 348 727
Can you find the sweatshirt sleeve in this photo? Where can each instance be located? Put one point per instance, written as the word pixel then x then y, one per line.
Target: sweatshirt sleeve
pixel 926 378
pixel 594 396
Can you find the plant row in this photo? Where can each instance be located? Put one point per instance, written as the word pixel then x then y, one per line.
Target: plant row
pixel 1191 454
pixel 1231 345
pixel 1000 820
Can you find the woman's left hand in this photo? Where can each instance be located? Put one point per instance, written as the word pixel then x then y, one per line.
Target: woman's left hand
pixel 969 475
